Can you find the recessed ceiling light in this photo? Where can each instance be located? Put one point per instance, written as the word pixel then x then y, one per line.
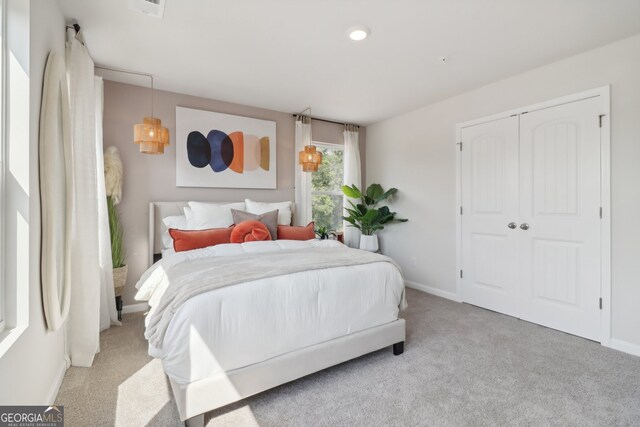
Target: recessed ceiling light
pixel 358 33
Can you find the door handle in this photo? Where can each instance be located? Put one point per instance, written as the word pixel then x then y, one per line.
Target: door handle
pixel 524 226
pixel 512 225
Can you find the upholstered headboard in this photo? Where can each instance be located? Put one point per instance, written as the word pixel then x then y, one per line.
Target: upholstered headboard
pixel 160 210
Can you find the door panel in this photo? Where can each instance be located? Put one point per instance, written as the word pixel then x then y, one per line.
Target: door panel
pixel 559 268
pixel 490 202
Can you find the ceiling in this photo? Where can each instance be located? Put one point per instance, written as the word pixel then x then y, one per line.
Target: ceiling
pixel 286 55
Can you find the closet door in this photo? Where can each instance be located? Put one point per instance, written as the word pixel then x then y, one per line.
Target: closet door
pixel 559 229
pixel 490 204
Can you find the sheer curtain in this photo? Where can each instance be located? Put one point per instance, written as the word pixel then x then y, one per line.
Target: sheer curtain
pixel 108 312
pixel 86 275
pixel 303 179
pixel 352 176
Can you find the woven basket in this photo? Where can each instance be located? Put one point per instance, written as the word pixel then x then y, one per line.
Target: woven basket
pixel 119 279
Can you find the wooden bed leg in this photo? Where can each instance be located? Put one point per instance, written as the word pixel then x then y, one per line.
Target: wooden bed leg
pixel 197 421
pixel 398 348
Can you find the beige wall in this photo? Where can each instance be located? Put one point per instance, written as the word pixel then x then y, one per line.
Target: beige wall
pixel 152 178
pixel 416 153
pixel 31 371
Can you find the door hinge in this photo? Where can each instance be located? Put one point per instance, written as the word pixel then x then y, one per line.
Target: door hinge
pixel 459 144
pixel 600 303
pixel 461 274
pixel 460 210
pixel 600 212
pixel 600 120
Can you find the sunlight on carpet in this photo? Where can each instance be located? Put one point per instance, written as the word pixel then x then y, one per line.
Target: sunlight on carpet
pixel 143 396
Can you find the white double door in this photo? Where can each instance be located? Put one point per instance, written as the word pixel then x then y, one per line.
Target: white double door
pixel 531 216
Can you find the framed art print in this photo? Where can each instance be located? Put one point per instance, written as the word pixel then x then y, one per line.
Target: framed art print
pixel 224 151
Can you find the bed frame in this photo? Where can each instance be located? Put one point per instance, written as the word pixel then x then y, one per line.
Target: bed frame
pixel 198 397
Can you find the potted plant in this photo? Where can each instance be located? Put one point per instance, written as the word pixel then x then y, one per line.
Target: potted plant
pixel 365 216
pixel 113 184
pixel 324 232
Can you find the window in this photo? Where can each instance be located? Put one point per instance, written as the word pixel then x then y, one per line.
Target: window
pixel 2 154
pixel 15 169
pixel 326 187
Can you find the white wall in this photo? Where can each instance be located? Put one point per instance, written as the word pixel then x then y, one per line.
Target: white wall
pixel 32 369
pixel 415 152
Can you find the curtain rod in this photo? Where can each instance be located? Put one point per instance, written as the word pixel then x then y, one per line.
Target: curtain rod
pixel 327 121
pixel 75 27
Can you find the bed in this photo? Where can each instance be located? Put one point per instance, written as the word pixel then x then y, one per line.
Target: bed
pixel 224 344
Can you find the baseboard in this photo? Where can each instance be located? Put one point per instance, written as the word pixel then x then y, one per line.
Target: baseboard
pixel 57 383
pixel 624 346
pixel 135 308
pixel 433 291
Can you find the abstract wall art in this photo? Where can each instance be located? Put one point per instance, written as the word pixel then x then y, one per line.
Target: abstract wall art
pixel 224 151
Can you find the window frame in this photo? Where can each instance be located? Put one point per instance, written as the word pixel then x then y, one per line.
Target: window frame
pixel 3 135
pixel 15 133
pixel 331 146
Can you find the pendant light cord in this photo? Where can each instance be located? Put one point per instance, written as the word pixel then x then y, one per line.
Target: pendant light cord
pixel 302 114
pixel 135 73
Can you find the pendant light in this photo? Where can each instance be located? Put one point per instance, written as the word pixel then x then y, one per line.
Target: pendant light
pixel 309 158
pixel 150 135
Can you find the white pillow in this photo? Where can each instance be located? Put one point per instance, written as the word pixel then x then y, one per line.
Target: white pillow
pixel 168 251
pixel 176 221
pixel 211 215
pixel 284 210
pixel 188 214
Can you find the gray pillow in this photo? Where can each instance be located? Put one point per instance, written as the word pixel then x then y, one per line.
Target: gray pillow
pixel 269 219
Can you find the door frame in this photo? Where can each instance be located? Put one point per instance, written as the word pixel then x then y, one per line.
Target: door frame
pixel 605 192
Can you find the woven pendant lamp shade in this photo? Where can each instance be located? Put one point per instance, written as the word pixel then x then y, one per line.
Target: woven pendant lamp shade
pixel 310 158
pixel 151 136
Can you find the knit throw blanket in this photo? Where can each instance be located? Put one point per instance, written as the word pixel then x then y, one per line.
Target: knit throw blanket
pixel 196 276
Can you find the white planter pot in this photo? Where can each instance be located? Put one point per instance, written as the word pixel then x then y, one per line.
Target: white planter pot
pixel 369 243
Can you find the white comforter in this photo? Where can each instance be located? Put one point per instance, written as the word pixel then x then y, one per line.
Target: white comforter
pixel 239 325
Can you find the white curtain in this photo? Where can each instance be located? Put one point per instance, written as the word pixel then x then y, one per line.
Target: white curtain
pixel 108 312
pixel 303 214
pixel 86 276
pixel 352 176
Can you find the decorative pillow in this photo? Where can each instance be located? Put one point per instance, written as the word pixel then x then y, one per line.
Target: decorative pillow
pixel 306 232
pixel 175 221
pixel 186 240
pixel 284 210
pixel 250 231
pixel 269 219
pixel 211 215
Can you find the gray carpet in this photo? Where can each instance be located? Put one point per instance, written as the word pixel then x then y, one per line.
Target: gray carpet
pixel 462 366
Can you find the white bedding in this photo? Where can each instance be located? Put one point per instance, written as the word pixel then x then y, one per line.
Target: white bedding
pixel 232 327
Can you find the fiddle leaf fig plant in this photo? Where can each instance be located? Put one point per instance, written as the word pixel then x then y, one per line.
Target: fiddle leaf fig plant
pixel 364 215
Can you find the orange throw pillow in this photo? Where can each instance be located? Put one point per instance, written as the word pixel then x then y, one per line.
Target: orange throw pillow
pixel 186 240
pixel 307 232
pixel 250 231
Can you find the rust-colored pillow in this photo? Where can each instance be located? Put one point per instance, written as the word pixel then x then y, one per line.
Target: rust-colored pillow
pixel 186 240
pixel 250 231
pixel 307 232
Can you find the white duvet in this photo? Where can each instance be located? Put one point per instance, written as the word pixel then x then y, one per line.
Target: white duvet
pixel 243 324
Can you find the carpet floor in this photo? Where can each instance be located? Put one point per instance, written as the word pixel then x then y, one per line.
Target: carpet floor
pixel 462 365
